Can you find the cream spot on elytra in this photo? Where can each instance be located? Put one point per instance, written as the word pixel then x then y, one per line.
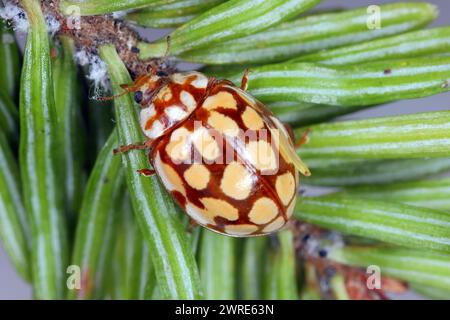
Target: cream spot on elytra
pixel 205 144
pixel 261 155
pixel 285 186
pixel 225 125
pixel 165 94
pixel 240 229
pixel 200 82
pixel 169 177
pixel 275 225
pixel 155 131
pixel 199 215
pixel 175 113
pixel 237 181
pixel 188 100
pixel 220 208
pixel 251 119
pixel 223 99
pixel 145 115
pixel 263 211
pixel 197 176
pixel 179 146
pixel 179 78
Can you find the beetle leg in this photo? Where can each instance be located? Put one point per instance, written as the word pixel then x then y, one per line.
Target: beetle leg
pixel 166 54
pixel 153 69
pixel 303 139
pixel 126 89
pixel 244 81
pixel 146 172
pixel 192 224
pixel 124 149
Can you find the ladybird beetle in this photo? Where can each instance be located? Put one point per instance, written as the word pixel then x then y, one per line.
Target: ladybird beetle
pixel 224 157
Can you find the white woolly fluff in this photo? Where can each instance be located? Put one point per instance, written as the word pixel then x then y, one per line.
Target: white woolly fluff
pixel 98 71
pixel 19 20
pixel 53 25
pixel 82 58
pixel 16 14
pixel 313 246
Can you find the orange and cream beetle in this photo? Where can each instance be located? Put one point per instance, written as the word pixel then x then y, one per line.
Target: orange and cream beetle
pixel 224 157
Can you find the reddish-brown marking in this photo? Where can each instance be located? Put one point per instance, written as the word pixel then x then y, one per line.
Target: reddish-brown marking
pixel 244 80
pixel 303 139
pixel 178 196
pixel 124 149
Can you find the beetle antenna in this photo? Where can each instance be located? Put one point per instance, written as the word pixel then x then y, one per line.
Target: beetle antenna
pixel 127 89
pixel 112 97
pixel 166 54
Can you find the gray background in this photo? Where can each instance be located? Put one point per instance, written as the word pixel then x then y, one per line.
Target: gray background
pixel 12 287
